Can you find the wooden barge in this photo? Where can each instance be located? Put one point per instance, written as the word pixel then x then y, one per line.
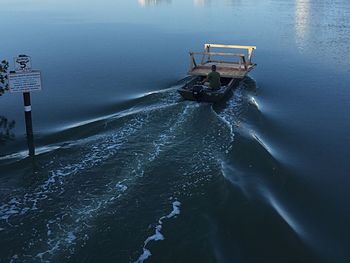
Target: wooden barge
pixel 231 71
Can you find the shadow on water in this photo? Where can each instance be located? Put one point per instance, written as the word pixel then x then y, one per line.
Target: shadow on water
pixel 6 127
pixel 7 134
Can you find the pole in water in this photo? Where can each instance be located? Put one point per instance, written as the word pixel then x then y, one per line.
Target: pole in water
pixel 29 125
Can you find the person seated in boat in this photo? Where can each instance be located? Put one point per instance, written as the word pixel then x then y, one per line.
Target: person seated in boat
pixel 213 78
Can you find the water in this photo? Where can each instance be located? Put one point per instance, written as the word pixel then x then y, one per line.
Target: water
pixel 126 171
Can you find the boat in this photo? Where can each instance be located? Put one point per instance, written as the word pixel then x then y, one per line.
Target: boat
pixel 231 71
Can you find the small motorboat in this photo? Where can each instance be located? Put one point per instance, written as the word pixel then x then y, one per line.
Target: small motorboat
pixel 231 72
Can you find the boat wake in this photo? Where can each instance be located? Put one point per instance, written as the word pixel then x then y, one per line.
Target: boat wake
pixel 159 144
pixel 81 181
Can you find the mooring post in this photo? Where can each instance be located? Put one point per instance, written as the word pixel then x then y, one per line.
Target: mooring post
pixel 29 124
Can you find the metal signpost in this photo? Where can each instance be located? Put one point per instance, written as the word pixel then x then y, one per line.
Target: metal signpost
pixel 25 80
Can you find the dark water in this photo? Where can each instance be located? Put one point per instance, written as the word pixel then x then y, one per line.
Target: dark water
pixel 127 170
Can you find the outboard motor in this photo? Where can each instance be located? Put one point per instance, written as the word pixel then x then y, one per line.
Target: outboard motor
pixel 197 92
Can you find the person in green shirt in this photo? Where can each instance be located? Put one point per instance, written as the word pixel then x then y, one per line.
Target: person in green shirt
pixel 213 78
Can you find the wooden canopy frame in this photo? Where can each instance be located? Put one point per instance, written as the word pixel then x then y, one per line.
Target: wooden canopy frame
pixel 236 69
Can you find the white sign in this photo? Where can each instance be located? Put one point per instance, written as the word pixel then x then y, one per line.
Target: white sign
pixel 23 64
pixel 25 82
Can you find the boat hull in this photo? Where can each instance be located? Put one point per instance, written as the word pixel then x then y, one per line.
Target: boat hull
pixel 192 91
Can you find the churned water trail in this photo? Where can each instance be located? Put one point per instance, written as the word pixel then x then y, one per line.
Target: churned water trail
pixel 69 225
pixel 86 177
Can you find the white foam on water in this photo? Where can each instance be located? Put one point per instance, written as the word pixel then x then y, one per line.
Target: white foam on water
pixel 170 134
pixel 70 237
pixel 158 235
pixel 229 115
pixel 121 186
pixel 253 102
pixel 145 255
pixel 176 209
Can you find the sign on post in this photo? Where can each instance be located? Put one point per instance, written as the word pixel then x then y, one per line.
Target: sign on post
pixel 25 82
pixel 24 79
pixel 23 63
